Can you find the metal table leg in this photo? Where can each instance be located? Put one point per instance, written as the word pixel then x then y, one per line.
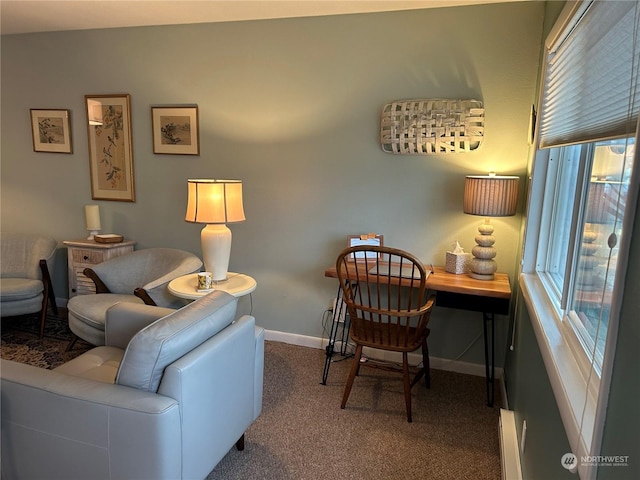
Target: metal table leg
pixel 489 351
pixel 335 324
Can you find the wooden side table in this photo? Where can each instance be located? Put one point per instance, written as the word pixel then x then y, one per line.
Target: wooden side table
pixel 86 253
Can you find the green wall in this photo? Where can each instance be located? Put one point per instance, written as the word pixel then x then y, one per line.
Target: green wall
pixel 291 107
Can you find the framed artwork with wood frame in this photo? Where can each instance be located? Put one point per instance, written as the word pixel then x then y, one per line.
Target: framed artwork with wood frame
pixel 175 130
pixel 110 147
pixel 370 239
pixel 50 130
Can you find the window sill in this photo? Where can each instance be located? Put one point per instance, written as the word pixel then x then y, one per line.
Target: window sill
pixel 567 381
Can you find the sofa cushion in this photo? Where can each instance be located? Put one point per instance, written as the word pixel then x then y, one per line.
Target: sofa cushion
pixel 16 289
pixel 100 364
pixel 158 345
pixel 92 309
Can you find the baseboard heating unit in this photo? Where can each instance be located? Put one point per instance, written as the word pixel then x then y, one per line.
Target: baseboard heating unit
pixel 509 452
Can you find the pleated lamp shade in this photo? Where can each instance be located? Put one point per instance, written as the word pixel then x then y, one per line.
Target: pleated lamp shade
pixel 601 202
pixel 491 195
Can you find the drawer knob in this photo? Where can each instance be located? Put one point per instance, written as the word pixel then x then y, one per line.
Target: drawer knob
pixel 85 257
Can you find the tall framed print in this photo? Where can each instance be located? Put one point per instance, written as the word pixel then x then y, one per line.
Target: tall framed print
pixel 110 147
pixel 50 131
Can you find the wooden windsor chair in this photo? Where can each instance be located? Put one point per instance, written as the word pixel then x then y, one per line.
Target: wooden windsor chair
pixel 386 296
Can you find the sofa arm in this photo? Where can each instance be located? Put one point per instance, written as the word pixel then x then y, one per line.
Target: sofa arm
pixel 258 371
pixel 84 428
pixel 125 319
pixel 217 386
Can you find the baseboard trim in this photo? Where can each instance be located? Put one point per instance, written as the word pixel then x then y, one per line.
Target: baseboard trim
pixel 509 449
pixel 437 363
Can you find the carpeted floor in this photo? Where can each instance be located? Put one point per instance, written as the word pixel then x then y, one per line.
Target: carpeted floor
pixel 20 341
pixel 302 434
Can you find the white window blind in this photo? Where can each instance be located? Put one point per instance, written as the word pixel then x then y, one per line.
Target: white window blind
pixel 591 79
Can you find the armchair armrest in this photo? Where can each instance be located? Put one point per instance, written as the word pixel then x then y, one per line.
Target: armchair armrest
pixel 125 319
pixel 48 285
pixel 142 294
pixel 100 286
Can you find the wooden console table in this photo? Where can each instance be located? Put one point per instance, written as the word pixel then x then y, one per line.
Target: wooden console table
pixel 490 297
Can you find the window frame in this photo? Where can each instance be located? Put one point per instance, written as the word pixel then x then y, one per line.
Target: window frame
pixel 580 394
pixel 580 391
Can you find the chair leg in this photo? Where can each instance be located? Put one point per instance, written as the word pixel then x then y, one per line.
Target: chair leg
pixel 407 385
pixel 355 367
pixel 52 300
pixel 43 311
pixel 240 443
pixel 72 342
pixel 425 364
pixel 47 295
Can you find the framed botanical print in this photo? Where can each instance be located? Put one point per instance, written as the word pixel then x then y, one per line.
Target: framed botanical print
pixel 50 131
pixel 175 130
pixel 110 147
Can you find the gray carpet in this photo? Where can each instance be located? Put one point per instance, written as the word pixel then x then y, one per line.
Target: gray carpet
pixel 303 434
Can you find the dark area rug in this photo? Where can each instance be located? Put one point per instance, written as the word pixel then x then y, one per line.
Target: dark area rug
pixel 20 341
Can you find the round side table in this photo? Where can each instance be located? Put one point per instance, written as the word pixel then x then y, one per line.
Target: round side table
pixel 238 284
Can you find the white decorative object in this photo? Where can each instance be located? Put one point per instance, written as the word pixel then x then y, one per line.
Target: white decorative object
pixel 457 260
pixel 215 202
pixel 92 218
pixel 432 127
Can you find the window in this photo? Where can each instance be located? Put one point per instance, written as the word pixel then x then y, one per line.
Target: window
pixel 585 197
pixel 584 189
pixel 561 185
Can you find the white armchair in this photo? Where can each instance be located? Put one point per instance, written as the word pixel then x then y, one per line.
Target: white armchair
pixel 168 404
pixel 25 281
pixel 137 277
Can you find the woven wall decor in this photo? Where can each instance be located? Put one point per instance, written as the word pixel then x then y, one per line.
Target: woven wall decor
pixel 432 127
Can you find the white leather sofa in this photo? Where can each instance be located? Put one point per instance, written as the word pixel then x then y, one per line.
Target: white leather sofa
pixel 167 402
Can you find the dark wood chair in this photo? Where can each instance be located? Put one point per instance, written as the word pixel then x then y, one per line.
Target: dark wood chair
pixel 386 296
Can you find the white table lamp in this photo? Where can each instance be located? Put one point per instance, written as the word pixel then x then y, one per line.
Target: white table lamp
pixel 216 203
pixel 488 196
pixel 92 220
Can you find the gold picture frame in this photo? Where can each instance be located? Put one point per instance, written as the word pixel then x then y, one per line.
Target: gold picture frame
pixel 50 130
pixel 110 147
pixel 175 130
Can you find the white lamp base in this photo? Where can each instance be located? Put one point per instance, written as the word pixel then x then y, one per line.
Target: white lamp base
pixel 216 248
pixel 92 233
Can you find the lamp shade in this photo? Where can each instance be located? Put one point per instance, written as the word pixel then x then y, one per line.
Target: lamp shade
pixel 214 201
pixel 602 202
pixel 491 195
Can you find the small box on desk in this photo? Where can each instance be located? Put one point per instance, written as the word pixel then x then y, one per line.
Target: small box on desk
pixel 457 262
